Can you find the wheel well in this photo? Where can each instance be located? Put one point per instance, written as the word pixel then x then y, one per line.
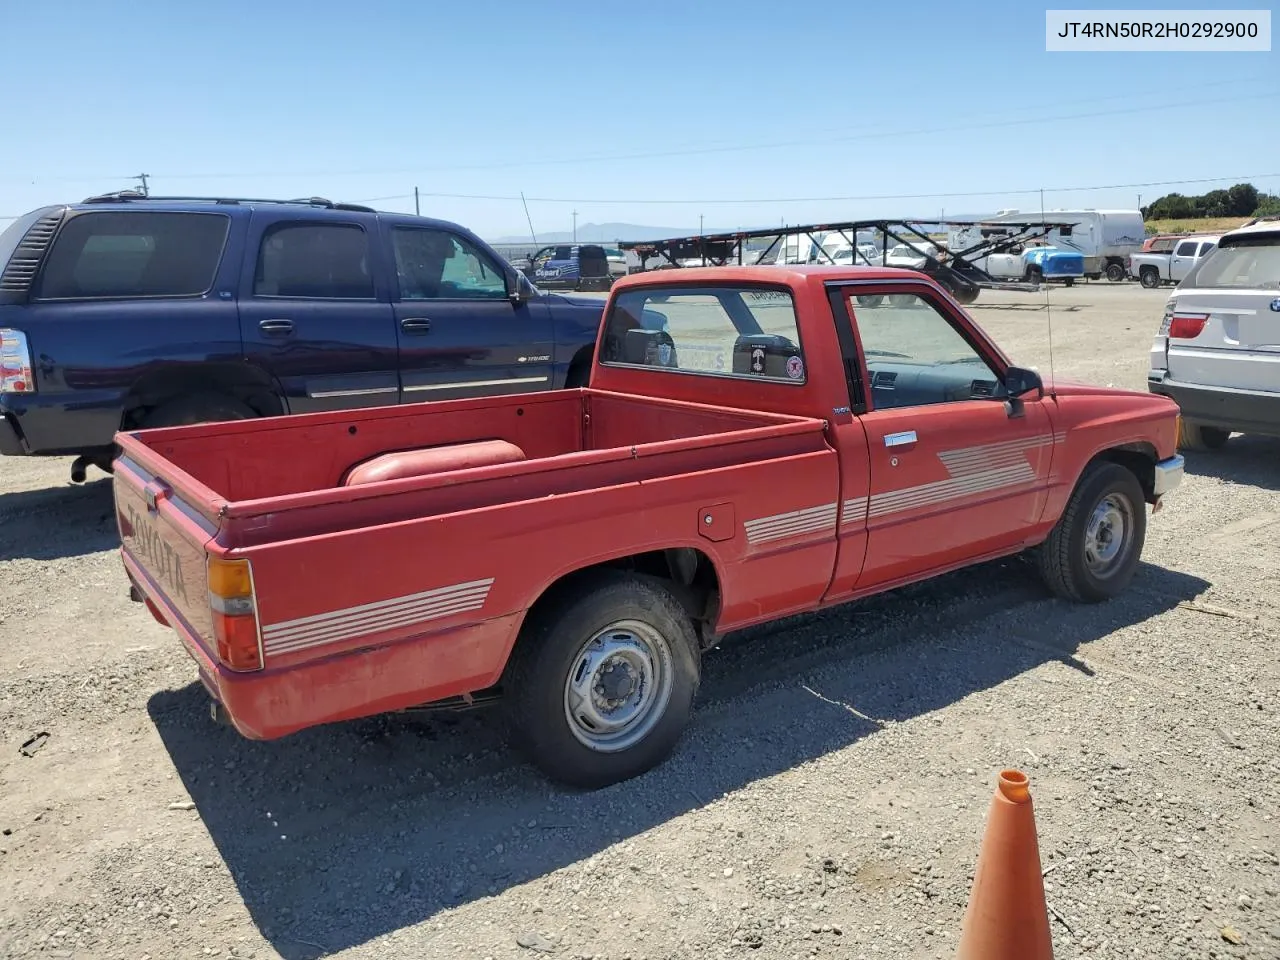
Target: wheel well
pixel 1140 459
pixel 687 572
pixel 580 366
pixel 249 385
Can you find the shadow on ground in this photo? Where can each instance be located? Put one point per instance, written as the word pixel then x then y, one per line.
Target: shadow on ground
pixel 1246 459
pixel 342 834
pixel 57 522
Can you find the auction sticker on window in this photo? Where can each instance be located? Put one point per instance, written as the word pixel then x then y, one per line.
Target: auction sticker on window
pixel 1134 31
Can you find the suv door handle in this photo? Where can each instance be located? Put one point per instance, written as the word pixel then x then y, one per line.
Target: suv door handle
pixel 900 439
pixel 276 326
pixel 415 325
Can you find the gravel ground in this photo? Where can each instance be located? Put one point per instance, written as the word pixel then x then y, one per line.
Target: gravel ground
pixel 828 801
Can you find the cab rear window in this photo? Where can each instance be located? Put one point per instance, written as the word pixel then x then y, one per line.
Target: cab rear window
pixel 726 331
pixel 113 254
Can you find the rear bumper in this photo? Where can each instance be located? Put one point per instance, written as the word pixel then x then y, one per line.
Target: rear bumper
pixel 272 703
pixel 1228 408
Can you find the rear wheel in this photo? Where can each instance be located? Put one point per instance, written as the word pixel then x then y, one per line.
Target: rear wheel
pixel 902 299
pixel 601 684
pixel 197 408
pixel 1114 272
pixel 1094 549
pixel 870 300
pixel 1194 436
pixel 1149 277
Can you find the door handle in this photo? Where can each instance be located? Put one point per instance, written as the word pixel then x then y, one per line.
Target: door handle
pixel 415 325
pixel 276 326
pixel 900 439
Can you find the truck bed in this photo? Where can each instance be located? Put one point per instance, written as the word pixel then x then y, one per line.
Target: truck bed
pixel 444 560
pixel 259 481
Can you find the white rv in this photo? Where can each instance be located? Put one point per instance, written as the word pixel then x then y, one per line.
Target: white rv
pixel 1105 238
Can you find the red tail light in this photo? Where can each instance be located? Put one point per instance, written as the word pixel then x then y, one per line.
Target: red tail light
pixel 235 616
pixel 1187 326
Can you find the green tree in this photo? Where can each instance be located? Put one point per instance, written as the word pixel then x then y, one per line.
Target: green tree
pixel 1242 199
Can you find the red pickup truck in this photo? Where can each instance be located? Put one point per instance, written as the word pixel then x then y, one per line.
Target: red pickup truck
pixel 754 442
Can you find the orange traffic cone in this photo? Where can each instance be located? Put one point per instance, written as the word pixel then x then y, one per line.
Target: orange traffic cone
pixel 1007 918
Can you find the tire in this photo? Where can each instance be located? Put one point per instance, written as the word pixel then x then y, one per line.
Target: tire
pixel 578 376
pixel 630 621
pixel 1194 436
pixel 903 299
pixel 1105 492
pixel 966 295
pixel 870 300
pixel 1149 277
pixel 1114 272
pixel 197 408
pixel 1035 275
pixel 1070 281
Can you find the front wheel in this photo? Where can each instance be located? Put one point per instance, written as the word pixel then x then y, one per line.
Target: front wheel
pixel 1093 551
pixel 601 683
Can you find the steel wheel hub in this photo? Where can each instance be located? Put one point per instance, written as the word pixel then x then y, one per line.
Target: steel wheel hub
pixel 1106 538
pixel 618 686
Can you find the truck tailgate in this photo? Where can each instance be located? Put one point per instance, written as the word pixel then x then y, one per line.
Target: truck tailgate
pixel 163 537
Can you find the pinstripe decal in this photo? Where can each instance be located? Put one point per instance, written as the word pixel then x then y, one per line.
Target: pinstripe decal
pixel 972 470
pixel 290 636
pixel 783 525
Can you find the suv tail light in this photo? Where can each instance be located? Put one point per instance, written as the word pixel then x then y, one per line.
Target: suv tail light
pixel 1187 326
pixel 235 614
pixel 15 363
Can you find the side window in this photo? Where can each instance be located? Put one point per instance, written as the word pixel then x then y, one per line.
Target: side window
pixel 438 265
pixel 1187 248
pixel 324 261
pixel 1206 248
pixel 915 356
pixel 114 253
pixel 726 331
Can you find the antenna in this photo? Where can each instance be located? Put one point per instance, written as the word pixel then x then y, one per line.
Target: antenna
pixel 1048 310
pixel 529 218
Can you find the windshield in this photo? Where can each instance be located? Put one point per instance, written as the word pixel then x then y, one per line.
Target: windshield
pixel 1251 263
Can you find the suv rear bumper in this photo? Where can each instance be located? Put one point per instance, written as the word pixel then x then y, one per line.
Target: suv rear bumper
pixel 1228 408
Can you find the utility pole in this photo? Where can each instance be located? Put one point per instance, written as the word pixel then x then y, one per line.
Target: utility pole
pixel 416 209
pixel 143 177
pixel 575 226
pixel 699 223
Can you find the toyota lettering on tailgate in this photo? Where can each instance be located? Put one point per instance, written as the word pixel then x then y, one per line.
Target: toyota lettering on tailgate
pixel 161 559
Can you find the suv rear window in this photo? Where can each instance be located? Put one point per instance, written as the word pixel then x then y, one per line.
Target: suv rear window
pixel 133 254
pixel 1250 263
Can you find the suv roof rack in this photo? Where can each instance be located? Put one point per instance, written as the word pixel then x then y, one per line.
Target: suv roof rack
pixel 121 196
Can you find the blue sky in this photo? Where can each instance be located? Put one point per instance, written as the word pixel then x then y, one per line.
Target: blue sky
pixel 575 104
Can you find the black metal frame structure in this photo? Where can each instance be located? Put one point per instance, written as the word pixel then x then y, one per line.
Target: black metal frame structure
pixel 956 269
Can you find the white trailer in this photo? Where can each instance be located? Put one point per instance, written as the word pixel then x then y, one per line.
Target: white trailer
pixel 1105 238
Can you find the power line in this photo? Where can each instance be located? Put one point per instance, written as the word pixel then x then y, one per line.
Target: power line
pixel 960 126
pixel 999 191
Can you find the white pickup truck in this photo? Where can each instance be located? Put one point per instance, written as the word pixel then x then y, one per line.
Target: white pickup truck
pixel 1154 269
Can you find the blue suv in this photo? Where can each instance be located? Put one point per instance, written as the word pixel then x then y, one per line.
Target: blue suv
pixel 126 311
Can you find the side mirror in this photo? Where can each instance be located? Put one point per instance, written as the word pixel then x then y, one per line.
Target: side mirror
pixel 1019 381
pixel 519 288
